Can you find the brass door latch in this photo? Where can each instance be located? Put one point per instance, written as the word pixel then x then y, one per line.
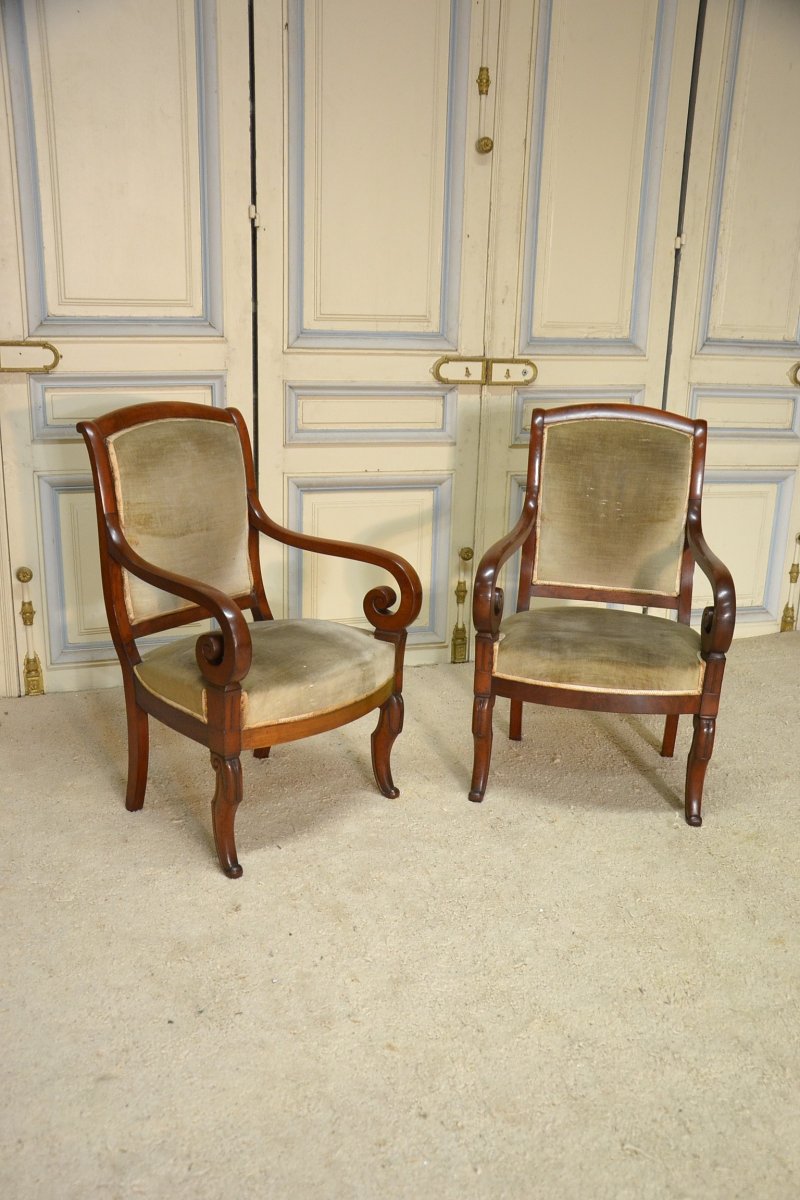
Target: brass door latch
pixel 497 372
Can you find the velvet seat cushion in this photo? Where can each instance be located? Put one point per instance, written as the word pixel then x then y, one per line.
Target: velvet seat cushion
pixel 600 649
pixel 299 668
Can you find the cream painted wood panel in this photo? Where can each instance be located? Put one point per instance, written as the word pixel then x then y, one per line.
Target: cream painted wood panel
pixel 399 241
pixel 737 332
pixel 589 135
pixel 125 242
pixel 381 229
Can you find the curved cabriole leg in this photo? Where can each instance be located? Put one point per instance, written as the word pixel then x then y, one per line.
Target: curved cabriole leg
pixel 515 721
pixel 138 752
pixel 482 735
pixel 227 795
pixel 700 753
pixel 390 724
pixel 670 733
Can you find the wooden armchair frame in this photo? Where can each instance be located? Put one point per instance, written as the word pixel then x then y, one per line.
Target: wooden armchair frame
pixel 716 630
pixel 224 656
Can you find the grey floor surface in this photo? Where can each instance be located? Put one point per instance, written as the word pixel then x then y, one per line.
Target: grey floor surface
pixel 562 993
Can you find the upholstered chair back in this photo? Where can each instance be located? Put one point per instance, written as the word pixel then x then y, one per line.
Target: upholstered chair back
pixel 612 505
pixel 182 499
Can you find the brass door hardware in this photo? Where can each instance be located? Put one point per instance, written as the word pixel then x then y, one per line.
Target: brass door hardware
pixel 484 144
pixel 789 617
pixel 22 359
pixel 499 372
pixel 458 644
pixel 33 675
pixel 794 374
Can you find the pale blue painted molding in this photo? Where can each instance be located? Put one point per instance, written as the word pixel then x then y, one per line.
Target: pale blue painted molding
pixel 439 485
pixel 63 652
pixel 446 336
pixel 45 431
pixel 566 395
pixel 705 343
pixel 770 607
pixel 40 321
pixel 295 392
pixel 636 342
pixel 753 394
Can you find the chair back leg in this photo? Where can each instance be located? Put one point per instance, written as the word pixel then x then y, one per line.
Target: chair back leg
pixel 515 721
pixel 670 734
pixel 226 800
pixel 138 748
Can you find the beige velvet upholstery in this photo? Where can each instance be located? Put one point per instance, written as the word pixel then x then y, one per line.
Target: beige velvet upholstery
pixel 612 505
pixel 186 520
pixel 603 649
pixel 298 668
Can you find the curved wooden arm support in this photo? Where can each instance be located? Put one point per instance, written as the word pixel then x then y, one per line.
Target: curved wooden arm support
pixel 487 605
pixel 223 657
pixel 719 619
pixel 378 601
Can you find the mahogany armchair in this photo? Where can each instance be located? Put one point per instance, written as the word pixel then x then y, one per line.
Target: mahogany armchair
pixel 611 517
pixel 179 523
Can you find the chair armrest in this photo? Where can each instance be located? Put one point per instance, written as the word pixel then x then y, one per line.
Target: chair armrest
pixel 378 601
pixel 719 619
pixel 487 604
pixel 223 657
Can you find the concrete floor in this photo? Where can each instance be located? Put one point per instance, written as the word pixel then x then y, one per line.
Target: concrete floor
pixel 564 992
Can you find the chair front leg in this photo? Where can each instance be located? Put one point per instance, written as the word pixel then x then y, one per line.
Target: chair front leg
pixel 390 725
pixel 227 795
pixel 699 754
pixel 482 737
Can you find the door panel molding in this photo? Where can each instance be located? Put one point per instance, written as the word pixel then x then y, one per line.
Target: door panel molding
pixel 745 412
pixel 56 402
pixel 50 233
pixel 73 632
pixel 428 494
pixel 635 216
pixel 746 158
pixel 434 323
pixel 526 399
pixel 769 496
pixel 376 413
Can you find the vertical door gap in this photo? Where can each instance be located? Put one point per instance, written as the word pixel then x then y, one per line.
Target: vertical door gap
pixel 687 154
pixel 253 227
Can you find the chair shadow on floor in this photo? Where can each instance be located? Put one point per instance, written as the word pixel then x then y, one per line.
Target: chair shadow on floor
pixel 270 811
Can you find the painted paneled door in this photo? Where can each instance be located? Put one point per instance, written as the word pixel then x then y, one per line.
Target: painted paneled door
pixel 736 359
pixel 393 240
pixel 405 215
pixel 125 243
pixel 401 237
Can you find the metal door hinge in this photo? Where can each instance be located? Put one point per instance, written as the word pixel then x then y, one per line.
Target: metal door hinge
pixel 252 213
pixel 459 649
pixel 32 674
